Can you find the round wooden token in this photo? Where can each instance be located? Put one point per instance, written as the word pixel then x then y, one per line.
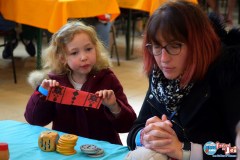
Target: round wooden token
pixel 69 138
pixel 95 155
pixel 66 144
pixel 99 153
pixel 89 149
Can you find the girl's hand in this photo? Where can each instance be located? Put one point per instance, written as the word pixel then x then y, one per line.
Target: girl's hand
pixel 159 136
pixel 109 100
pixel 48 83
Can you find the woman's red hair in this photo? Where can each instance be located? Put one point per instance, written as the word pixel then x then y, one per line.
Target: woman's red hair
pixel 188 23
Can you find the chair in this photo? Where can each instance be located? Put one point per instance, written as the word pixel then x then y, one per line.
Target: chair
pixel 114 44
pixel 126 23
pixel 6 33
pixel 137 15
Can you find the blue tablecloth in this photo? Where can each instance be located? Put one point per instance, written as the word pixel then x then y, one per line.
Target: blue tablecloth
pixel 22 139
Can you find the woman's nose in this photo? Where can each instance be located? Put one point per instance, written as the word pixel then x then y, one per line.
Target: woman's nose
pixel 165 57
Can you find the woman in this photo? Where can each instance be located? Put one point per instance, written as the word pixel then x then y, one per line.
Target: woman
pixel 194 82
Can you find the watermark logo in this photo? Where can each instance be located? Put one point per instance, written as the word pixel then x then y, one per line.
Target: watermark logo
pixel 210 148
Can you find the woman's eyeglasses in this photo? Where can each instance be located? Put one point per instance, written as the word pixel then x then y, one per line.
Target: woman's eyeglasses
pixel 173 48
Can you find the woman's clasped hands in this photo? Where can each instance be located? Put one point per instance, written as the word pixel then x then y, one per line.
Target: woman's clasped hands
pixel 159 136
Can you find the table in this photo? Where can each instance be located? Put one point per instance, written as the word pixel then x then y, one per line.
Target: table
pixel 143 5
pixel 52 14
pixel 22 139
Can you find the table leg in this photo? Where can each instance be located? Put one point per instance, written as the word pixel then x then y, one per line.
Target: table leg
pixel 128 31
pixel 238 2
pixel 39 48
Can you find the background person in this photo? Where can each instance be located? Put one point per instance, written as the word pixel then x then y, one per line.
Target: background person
pixel 102 26
pixel 26 36
pixel 214 5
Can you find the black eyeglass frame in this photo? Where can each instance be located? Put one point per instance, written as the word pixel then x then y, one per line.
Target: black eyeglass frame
pixel 149 47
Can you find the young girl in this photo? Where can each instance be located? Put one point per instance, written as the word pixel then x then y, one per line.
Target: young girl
pixel 76 59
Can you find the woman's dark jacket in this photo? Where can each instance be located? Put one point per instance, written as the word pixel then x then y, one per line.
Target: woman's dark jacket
pixel 98 124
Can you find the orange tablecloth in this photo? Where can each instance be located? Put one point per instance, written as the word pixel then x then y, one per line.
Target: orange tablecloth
pixel 144 5
pixel 52 14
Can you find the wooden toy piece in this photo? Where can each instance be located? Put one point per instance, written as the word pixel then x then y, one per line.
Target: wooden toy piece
pixel 66 144
pixel 70 96
pixel 47 141
pixel 92 150
pixel 4 152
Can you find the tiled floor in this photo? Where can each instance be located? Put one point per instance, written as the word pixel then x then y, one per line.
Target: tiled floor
pixel 13 97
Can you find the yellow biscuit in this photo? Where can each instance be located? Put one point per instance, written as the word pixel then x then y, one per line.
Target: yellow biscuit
pixel 66 144
pixel 65 150
pixel 67 153
pixel 69 137
pixel 60 141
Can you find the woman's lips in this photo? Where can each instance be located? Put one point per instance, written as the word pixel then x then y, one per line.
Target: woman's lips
pixel 167 69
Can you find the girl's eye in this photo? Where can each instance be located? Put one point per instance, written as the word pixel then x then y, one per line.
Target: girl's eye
pixel 74 53
pixel 89 49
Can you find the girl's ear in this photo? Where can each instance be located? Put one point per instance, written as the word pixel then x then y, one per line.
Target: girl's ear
pixel 62 59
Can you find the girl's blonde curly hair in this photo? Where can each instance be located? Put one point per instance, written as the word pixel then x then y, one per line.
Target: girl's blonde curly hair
pixel 56 51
